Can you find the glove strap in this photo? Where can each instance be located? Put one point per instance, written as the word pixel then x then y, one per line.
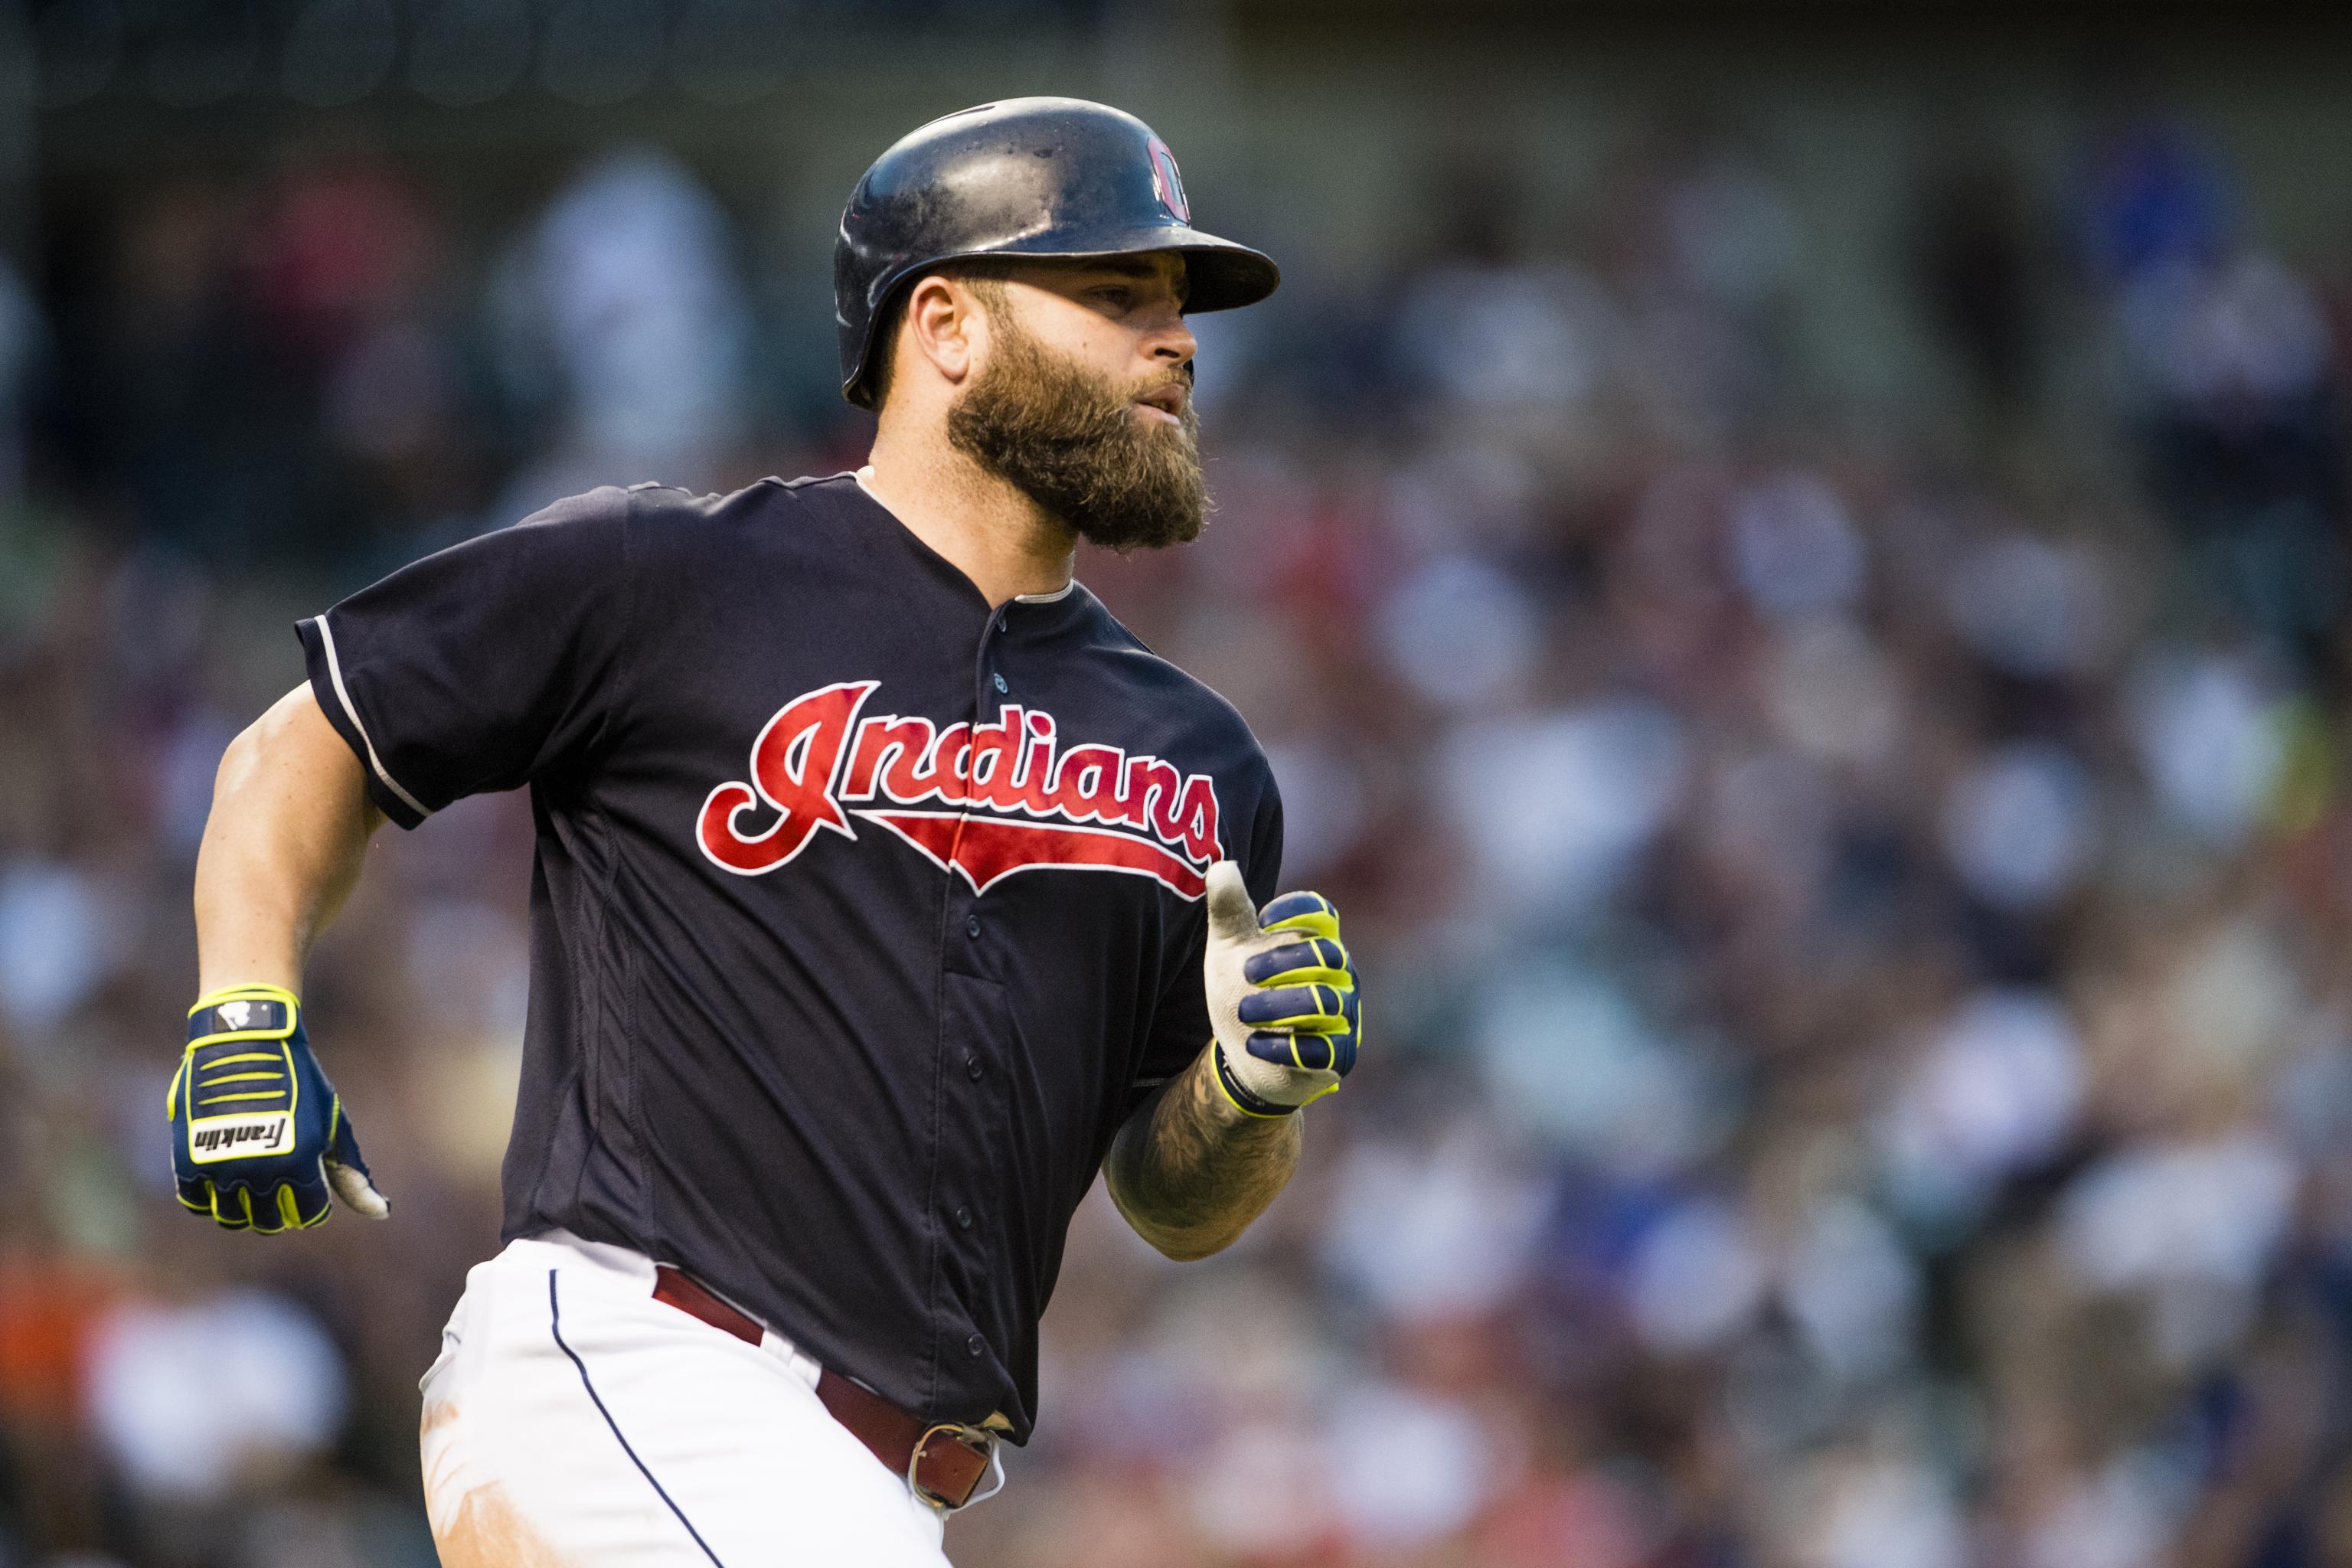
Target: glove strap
pixel 242 1013
pixel 1247 1103
pixel 252 991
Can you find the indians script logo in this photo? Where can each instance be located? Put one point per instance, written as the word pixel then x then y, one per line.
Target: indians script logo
pixel 1085 807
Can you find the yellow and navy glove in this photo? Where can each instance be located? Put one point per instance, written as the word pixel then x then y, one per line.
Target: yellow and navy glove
pixel 259 1135
pixel 1283 997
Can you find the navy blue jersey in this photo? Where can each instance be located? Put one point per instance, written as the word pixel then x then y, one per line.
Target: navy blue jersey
pixel 862 913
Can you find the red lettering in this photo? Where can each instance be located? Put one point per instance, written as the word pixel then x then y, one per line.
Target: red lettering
pixel 1150 796
pixel 995 752
pixel 949 758
pixel 916 774
pixel 1033 777
pixel 1199 816
pixel 814 753
pixel 881 742
pixel 792 766
pixel 1086 783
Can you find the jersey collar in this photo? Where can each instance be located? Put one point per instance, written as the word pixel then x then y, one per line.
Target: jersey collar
pixel 1054 597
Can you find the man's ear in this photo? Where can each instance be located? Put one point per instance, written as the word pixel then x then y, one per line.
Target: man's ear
pixel 945 326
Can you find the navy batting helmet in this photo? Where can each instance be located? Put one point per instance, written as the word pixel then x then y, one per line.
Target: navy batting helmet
pixel 1027 176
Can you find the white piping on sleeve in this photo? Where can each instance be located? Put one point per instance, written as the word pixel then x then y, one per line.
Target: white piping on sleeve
pixel 342 695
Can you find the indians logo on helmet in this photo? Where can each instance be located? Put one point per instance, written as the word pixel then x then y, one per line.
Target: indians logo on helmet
pixel 1167 184
pixel 1095 807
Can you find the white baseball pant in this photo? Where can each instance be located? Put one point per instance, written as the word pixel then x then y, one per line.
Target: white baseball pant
pixel 572 1421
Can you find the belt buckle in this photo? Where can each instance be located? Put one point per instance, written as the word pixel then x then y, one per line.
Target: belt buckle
pixel 978 1439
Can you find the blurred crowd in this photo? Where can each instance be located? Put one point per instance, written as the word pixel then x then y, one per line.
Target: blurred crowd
pixel 1855 899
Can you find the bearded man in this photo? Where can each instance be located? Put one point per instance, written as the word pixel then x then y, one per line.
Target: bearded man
pixel 886 889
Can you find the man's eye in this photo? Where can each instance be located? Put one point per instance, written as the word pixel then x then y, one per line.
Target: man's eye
pixel 1118 297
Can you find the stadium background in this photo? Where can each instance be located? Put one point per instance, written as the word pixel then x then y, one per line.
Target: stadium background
pixel 1791 563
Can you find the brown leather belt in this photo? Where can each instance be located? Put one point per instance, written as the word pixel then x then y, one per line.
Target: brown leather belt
pixel 943 1461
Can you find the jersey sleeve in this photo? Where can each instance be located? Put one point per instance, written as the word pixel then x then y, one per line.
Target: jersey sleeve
pixel 483 666
pixel 1180 1023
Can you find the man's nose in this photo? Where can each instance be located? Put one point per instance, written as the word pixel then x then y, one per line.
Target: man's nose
pixel 1173 342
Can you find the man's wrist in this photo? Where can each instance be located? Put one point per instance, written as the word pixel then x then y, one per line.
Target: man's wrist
pixel 237 971
pixel 1238 1095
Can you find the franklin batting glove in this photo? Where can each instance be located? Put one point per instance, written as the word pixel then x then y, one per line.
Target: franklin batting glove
pixel 1283 997
pixel 259 1135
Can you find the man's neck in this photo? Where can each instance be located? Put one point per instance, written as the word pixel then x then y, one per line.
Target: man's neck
pixel 995 535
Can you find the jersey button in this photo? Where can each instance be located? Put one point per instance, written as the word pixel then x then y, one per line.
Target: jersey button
pixel 963 1216
pixel 973 1067
pixel 976 1346
pixel 1000 684
pixel 972 927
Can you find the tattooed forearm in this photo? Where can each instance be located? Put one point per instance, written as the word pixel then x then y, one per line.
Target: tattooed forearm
pixel 1190 1172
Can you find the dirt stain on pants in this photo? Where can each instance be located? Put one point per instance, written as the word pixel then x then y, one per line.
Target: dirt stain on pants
pixel 486 1530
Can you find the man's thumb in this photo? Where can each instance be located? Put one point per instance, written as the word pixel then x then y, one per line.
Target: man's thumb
pixel 351 1184
pixel 347 1170
pixel 1232 916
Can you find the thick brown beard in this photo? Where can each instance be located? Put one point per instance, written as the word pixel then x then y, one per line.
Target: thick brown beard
pixel 1072 442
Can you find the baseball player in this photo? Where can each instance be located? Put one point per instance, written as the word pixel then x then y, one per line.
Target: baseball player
pixel 886 888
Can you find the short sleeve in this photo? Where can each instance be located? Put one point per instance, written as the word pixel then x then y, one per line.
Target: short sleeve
pixel 483 666
pixel 1180 1022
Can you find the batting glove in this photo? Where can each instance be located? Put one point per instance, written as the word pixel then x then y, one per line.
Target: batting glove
pixel 1283 997
pixel 259 1135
